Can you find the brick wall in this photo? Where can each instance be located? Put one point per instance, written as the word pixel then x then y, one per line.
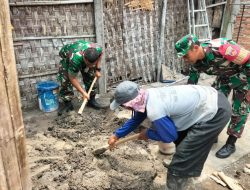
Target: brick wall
pixel 243 32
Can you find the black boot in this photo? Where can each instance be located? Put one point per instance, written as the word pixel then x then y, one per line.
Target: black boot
pixel 93 103
pixel 68 106
pixel 228 148
pixel 176 183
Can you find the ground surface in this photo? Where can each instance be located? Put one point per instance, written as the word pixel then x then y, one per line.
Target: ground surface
pixel 60 155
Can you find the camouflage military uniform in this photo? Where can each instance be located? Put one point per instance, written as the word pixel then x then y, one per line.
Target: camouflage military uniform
pixel 72 62
pixel 230 76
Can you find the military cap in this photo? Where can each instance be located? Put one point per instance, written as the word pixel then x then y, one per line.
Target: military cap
pixel 183 45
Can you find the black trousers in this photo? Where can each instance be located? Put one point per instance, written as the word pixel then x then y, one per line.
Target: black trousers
pixel 194 144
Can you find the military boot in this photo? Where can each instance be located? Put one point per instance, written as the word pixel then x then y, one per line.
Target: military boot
pixel 67 106
pixel 93 103
pixel 228 148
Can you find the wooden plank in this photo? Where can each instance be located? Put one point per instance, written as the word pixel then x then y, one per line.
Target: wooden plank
pixel 10 164
pixel 42 3
pixel 3 182
pixel 12 141
pixel 232 184
pixel 99 28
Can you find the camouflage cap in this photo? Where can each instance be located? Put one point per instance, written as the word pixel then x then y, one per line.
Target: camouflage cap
pixel 183 45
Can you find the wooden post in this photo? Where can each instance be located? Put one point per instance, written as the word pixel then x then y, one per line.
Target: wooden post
pixel 99 30
pixel 226 18
pixel 161 39
pixel 14 170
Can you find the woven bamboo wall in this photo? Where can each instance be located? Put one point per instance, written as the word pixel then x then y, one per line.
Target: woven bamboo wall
pixel 39 32
pixel 131 39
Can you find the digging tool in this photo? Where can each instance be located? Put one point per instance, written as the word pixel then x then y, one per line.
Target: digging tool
pixel 178 81
pixel 85 100
pixel 120 141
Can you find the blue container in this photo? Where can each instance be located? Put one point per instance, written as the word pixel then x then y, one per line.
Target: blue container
pixel 47 95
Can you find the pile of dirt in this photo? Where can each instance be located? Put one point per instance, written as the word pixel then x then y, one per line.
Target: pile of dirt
pixel 61 157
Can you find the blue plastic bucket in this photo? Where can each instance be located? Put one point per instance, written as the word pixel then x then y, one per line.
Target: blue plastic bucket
pixel 47 95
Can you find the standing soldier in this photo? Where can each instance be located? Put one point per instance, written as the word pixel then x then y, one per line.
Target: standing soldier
pixel 80 56
pixel 231 64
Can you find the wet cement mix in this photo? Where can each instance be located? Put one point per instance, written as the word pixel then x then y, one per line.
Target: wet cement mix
pixel 61 155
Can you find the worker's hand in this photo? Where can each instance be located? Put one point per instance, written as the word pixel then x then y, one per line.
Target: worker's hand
pixel 98 74
pixel 248 96
pixel 85 96
pixel 112 140
pixel 143 135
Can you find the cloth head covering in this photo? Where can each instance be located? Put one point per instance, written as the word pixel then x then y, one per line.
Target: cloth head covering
pixel 139 102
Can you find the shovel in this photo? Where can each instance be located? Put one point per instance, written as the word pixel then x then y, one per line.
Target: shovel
pixel 103 149
pixel 85 99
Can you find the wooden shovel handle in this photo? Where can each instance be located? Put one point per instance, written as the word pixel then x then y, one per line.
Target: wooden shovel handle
pixel 120 141
pixel 85 99
pixel 126 139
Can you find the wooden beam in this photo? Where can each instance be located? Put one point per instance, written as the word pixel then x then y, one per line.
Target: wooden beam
pixel 38 74
pixel 161 39
pixel 226 18
pixel 42 3
pixel 12 138
pixel 3 180
pixel 53 37
pixel 99 29
pixel 216 4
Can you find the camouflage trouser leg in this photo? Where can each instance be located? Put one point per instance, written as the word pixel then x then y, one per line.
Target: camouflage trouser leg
pixel 88 77
pixel 240 107
pixel 66 89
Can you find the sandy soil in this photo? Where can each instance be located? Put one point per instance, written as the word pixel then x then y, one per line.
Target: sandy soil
pixel 60 155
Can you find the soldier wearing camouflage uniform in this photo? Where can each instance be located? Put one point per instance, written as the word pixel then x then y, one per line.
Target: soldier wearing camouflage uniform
pixel 80 56
pixel 231 64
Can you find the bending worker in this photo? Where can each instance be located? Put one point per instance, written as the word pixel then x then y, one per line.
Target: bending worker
pixel 80 56
pixel 192 123
pixel 231 64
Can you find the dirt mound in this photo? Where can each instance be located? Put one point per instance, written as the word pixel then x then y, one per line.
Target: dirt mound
pixel 61 157
pixel 79 127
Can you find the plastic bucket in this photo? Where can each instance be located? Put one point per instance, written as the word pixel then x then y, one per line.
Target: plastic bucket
pixel 47 95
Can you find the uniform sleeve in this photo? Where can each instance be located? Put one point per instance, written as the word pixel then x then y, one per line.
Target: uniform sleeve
pixel 194 76
pixel 165 130
pixel 131 124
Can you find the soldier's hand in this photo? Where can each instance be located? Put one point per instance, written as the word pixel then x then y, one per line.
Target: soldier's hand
pixel 143 135
pixel 112 140
pixel 98 74
pixel 248 96
pixel 85 96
